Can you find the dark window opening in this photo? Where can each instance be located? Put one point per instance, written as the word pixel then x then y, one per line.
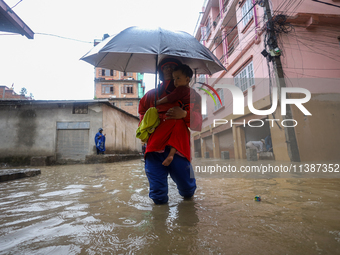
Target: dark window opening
pixel 80 109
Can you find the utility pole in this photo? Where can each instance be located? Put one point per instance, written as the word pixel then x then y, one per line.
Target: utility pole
pixel 292 147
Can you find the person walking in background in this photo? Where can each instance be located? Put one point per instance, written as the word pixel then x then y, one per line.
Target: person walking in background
pixel 269 145
pixel 99 140
pixel 143 148
pixel 258 145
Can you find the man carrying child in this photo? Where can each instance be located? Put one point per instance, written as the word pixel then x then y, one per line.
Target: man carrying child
pixel 172 134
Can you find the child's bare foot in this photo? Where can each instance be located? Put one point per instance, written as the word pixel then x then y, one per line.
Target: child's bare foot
pixel 167 161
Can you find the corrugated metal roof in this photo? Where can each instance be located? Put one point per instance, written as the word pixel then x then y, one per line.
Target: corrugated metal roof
pixel 42 102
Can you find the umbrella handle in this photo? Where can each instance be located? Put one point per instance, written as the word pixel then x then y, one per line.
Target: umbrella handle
pixel 195 76
pixel 156 79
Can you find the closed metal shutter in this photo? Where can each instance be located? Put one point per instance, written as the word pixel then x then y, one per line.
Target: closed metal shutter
pixel 72 144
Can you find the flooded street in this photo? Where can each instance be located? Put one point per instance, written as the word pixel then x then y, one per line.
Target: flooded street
pixel 105 209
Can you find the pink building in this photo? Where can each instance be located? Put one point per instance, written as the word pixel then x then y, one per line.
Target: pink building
pixel 304 37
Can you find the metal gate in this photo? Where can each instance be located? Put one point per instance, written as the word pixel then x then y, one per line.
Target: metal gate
pixel 72 144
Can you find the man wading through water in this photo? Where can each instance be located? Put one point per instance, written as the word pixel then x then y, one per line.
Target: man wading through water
pixel 158 148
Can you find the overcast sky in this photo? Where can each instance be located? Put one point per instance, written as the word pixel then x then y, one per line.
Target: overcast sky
pixel 49 66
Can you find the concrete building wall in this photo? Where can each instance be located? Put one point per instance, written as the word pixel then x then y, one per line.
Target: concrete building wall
pixel 209 146
pixel 31 130
pixel 318 135
pixel 129 105
pixel 226 142
pixel 120 130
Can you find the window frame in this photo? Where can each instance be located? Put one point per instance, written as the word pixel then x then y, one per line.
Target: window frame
pixel 108 86
pixel 221 94
pixel 127 89
pixel 79 108
pixel 244 9
pixel 245 78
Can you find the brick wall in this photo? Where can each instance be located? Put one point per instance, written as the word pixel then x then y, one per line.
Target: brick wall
pixel 10 94
pixel 113 74
pixel 128 105
pixel 118 90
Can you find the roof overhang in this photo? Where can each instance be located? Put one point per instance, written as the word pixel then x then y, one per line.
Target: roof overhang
pixel 33 103
pixel 10 22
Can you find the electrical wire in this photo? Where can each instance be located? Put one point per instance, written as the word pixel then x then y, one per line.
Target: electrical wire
pixel 62 37
pixel 229 32
pixel 16 4
pixel 326 3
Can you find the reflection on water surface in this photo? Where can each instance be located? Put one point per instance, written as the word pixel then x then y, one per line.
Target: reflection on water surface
pixel 105 209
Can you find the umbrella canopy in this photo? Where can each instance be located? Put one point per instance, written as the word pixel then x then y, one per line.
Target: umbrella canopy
pixel 136 50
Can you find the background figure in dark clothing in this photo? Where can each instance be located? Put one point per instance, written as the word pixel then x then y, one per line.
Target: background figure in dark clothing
pixel 268 142
pixel 143 148
pixel 99 140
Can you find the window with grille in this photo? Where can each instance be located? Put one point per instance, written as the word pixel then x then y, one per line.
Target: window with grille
pixel 247 15
pixel 107 89
pixel 127 89
pixel 107 72
pixel 80 109
pixel 245 78
pixel 220 93
pixel 128 103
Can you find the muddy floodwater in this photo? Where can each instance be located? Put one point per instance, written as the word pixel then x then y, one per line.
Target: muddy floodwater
pixel 105 209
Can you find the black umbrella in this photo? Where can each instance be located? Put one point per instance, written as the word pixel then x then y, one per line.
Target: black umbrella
pixel 137 49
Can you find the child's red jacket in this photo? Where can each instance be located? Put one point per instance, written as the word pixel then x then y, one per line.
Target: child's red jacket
pixel 171 132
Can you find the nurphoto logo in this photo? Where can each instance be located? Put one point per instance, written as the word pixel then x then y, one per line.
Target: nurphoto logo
pixel 238 104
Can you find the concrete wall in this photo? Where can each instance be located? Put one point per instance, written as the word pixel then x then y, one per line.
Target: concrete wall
pixel 226 142
pixel 120 130
pixel 30 130
pixel 209 146
pixel 129 105
pixel 318 135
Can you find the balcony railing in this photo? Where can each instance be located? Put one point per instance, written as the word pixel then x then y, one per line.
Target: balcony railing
pixel 222 59
pixel 215 22
pixel 232 45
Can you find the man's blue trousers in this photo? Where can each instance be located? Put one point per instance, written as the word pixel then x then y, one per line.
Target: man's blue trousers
pixel 180 171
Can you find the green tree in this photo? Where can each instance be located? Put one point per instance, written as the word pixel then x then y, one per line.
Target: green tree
pixel 23 91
